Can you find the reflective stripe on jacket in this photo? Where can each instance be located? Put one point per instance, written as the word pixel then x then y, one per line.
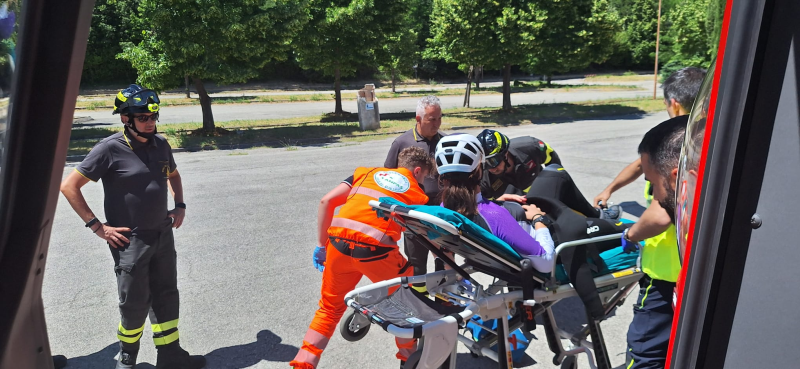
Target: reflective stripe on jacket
pixel 357 221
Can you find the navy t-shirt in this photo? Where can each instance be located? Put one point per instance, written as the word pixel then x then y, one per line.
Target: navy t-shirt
pixel 134 178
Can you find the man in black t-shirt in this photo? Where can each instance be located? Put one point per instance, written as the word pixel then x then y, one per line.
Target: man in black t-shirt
pixel 424 135
pixel 137 169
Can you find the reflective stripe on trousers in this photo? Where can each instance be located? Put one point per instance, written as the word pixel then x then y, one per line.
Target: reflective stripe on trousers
pixel 405 347
pixel 308 356
pixel 165 333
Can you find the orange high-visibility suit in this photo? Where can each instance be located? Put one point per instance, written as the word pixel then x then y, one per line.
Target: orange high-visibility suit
pixel 360 244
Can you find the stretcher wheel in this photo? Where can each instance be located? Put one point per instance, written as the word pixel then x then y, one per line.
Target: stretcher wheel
pixel 344 327
pixel 570 362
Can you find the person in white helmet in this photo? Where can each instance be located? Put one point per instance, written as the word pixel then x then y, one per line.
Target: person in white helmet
pixel 458 160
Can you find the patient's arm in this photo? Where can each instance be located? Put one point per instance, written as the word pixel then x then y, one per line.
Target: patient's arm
pixel 333 199
pixel 506 228
pixel 653 222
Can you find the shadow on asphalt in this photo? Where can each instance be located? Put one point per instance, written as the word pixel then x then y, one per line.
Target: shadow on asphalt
pixel 90 125
pixel 467 361
pixel 633 208
pixel 551 113
pixel 102 359
pixel 267 347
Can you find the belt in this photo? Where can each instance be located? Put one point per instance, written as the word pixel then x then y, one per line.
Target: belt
pixel 658 283
pixel 358 250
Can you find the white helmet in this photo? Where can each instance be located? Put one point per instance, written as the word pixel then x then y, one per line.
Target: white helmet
pixel 460 153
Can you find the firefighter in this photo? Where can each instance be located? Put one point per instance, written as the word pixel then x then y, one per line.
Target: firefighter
pixel 514 168
pixel 357 243
pixel 137 169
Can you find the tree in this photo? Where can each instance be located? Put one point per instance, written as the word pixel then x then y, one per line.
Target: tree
pixel 399 52
pixel 226 41
pixel 111 24
pixel 495 34
pixel 345 34
pixel 693 36
pixel 640 30
pixel 576 34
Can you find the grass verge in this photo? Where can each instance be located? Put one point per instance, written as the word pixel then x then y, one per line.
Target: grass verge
pixel 620 78
pixel 295 132
pixel 520 87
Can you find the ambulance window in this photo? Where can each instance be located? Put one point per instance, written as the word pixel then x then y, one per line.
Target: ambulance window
pixel 8 37
pixel 690 158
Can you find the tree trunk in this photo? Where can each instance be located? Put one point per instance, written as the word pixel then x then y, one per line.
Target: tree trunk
pixel 507 87
pixel 188 94
pixel 549 80
pixel 205 104
pixel 393 77
pixel 469 86
pixel 478 77
pixel 338 92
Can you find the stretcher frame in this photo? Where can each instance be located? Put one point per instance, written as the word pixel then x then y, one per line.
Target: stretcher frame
pixel 438 339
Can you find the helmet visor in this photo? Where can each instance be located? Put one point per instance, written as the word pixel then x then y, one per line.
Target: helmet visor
pixel 145 101
pixel 493 161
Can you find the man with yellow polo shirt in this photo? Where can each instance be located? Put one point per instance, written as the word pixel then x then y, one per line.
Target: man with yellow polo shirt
pixel 648 334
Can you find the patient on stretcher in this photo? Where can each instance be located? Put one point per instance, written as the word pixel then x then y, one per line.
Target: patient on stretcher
pixel 523 227
pixel 458 160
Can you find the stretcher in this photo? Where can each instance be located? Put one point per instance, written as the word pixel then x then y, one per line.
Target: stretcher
pixel 515 298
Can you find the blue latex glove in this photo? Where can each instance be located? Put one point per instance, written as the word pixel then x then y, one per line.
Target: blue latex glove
pixel 628 246
pixel 319 258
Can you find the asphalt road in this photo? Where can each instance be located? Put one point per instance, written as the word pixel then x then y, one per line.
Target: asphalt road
pixel 248 289
pixel 228 112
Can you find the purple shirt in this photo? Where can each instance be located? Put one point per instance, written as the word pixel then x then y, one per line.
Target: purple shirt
pixel 506 228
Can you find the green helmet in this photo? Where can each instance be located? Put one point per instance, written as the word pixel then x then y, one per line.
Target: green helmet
pixel 136 99
pixel 495 145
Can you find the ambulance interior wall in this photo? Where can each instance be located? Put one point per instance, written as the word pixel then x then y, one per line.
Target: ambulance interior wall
pixel 766 325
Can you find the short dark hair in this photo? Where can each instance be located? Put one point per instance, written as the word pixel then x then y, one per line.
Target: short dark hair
pixel 413 157
pixel 663 143
pixel 684 85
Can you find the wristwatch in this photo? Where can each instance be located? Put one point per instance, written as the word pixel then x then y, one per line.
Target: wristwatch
pixel 625 236
pixel 180 205
pixel 540 219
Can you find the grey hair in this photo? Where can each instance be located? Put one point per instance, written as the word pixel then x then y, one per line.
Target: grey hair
pixel 427 102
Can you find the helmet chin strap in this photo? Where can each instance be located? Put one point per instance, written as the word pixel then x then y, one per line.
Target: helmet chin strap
pixel 147 136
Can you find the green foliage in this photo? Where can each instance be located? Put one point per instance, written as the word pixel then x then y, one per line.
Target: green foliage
pixel 400 51
pixel 576 33
pixel 112 23
pixel 345 34
pixel 640 31
pixel 493 34
pixel 475 32
pixel 692 39
pixel 226 41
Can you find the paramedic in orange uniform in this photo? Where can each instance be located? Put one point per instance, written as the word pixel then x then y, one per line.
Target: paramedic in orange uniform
pixel 357 243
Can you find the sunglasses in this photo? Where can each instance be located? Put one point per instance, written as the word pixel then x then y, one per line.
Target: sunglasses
pixel 145 118
pixel 494 161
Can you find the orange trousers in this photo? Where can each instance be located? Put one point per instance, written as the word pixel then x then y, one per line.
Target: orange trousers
pixel 341 275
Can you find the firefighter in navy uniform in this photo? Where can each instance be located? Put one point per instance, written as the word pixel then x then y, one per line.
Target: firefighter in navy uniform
pixel 137 169
pixel 527 166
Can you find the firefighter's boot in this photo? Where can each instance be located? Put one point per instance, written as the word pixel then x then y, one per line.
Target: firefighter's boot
pixel 126 360
pixel 172 356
